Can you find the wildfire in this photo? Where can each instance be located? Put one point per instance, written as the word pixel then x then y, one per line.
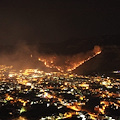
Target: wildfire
pixel 69 63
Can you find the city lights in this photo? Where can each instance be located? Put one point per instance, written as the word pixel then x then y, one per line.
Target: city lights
pixel 60 95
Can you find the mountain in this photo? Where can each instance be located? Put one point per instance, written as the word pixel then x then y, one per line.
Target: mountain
pixel 104 63
pixel 77 45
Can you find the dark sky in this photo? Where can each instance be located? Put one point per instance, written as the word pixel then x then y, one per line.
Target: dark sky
pixel 57 20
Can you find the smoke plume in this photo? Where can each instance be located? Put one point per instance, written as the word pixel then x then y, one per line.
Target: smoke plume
pixel 27 56
pixel 68 63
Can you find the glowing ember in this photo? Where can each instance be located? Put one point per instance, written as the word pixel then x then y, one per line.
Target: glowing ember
pixel 69 63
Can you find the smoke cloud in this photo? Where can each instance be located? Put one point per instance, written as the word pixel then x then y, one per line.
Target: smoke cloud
pixel 68 63
pixel 27 56
pixel 20 57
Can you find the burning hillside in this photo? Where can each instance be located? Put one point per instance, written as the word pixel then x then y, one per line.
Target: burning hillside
pixel 68 63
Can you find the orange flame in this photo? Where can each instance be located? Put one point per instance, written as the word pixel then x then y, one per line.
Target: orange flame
pixel 69 63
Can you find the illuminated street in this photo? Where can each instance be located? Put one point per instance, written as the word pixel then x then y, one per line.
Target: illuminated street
pixel 31 93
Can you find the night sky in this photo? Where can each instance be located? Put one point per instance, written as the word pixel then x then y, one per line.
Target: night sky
pixel 37 21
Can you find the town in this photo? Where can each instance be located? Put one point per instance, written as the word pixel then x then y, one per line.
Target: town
pixel 31 94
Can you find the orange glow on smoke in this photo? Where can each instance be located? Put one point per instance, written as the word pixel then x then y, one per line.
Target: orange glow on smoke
pixel 69 63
